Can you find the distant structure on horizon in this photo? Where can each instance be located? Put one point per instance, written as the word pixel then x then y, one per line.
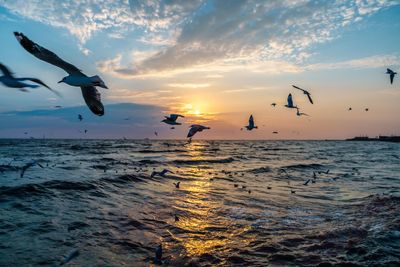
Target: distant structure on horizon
pixel 383 138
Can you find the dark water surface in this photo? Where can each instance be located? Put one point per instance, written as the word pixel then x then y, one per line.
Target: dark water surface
pixel 97 196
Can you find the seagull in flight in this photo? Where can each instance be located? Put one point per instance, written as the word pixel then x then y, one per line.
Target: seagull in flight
pixel 9 80
pixel 305 92
pixel 75 77
pixel 391 74
pixel 290 102
pixel 350 109
pixel 366 109
pixel 273 104
pixel 196 128
pixel 80 118
pixel 301 113
pixel 251 124
pixel 171 120
pixel 28 165
pixel 177 184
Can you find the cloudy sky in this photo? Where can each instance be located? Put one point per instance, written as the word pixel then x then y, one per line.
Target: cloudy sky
pixel 215 61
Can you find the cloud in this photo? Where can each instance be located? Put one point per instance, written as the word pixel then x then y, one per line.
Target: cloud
pixel 189 85
pixel 249 32
pixel 377 61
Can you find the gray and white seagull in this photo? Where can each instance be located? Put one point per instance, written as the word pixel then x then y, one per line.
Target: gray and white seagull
pixel 251 125
pixel 171 120
pixel 290 102
pixel 75 77
pixel 305 92
pixel 9 80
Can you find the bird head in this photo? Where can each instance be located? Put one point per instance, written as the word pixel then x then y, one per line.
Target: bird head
pixel 62 81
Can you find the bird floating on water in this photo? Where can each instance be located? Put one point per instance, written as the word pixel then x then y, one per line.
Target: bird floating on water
pixel 9 80
pixel 161 173
pixel 171 120
pixel 80 118
pixel 251 125
pixel 75 77
pixel 305 92
pixel 177 184
pixel 391 74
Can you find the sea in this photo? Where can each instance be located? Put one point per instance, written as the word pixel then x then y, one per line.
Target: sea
pixel 239 203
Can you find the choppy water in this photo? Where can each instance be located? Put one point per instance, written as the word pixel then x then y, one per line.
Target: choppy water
pixel 98 197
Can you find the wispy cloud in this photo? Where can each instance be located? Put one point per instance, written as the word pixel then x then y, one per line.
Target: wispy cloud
pixel 189 85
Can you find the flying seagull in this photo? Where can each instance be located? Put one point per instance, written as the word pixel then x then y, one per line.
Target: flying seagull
pixel 251 124
pixel 301 113
pixel 391 74
pixel 171 120
pixel 9 80
pixel 177 184
pixel 290 102
pixel 196 128
pixel 75 77
pixel 366 109
pixel 80 118
pixel 350 109
pixel 305 92
pixel 273 104
pixel 28 165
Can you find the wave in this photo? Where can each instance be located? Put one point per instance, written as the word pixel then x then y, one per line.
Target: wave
pixel 304 166
pixel 260 170
pixel 203 161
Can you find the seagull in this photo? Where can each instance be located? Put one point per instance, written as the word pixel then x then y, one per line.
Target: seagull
pixel 28 165
pixel 161 173
pixel 171 120
pixel 155 133
pixel 251 124
pixel 301 113
pixel 275 132
pixel 350 109
pixel 177 184
pixel 305 92
pixel 290 102
pixel 196 128
pixel 391 73
pixel 273 104
pixel 80 118
pixel 57 106
pixel 176 218
pixel 366 109
pixel 306 183
pixel 75 77
pixel 9 80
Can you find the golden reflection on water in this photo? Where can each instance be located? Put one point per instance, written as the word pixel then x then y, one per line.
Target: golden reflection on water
pixel 204 231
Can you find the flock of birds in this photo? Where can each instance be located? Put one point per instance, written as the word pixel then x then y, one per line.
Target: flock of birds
pixel 93 100
pixel 92 96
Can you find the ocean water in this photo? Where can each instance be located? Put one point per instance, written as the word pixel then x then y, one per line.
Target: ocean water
pixel 235 203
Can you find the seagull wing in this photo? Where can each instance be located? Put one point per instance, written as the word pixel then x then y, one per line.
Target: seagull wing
pixel 290 100
pixel 294 86
pixel 6 71
pixel 309 98
pixel 93 99
pixel 41 83
pixel 251 121
pixel 391 77
pixel 173 117
pixel 389 71
pixel 46 55
pixel 193 130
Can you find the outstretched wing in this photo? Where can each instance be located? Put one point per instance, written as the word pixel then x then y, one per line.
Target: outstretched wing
pixel 391 78
pixel 93 99
pixel 6 71
pixel 193 130
pixel 389 71
pixel 41 83
pixel 298 88
pixel 45 55
pixel 251 121
pixel 290 100
pixel 309 98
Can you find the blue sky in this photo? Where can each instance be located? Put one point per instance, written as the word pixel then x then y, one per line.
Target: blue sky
pixel 217 62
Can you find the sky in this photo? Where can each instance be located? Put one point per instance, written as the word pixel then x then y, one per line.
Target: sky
pixel 214 61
